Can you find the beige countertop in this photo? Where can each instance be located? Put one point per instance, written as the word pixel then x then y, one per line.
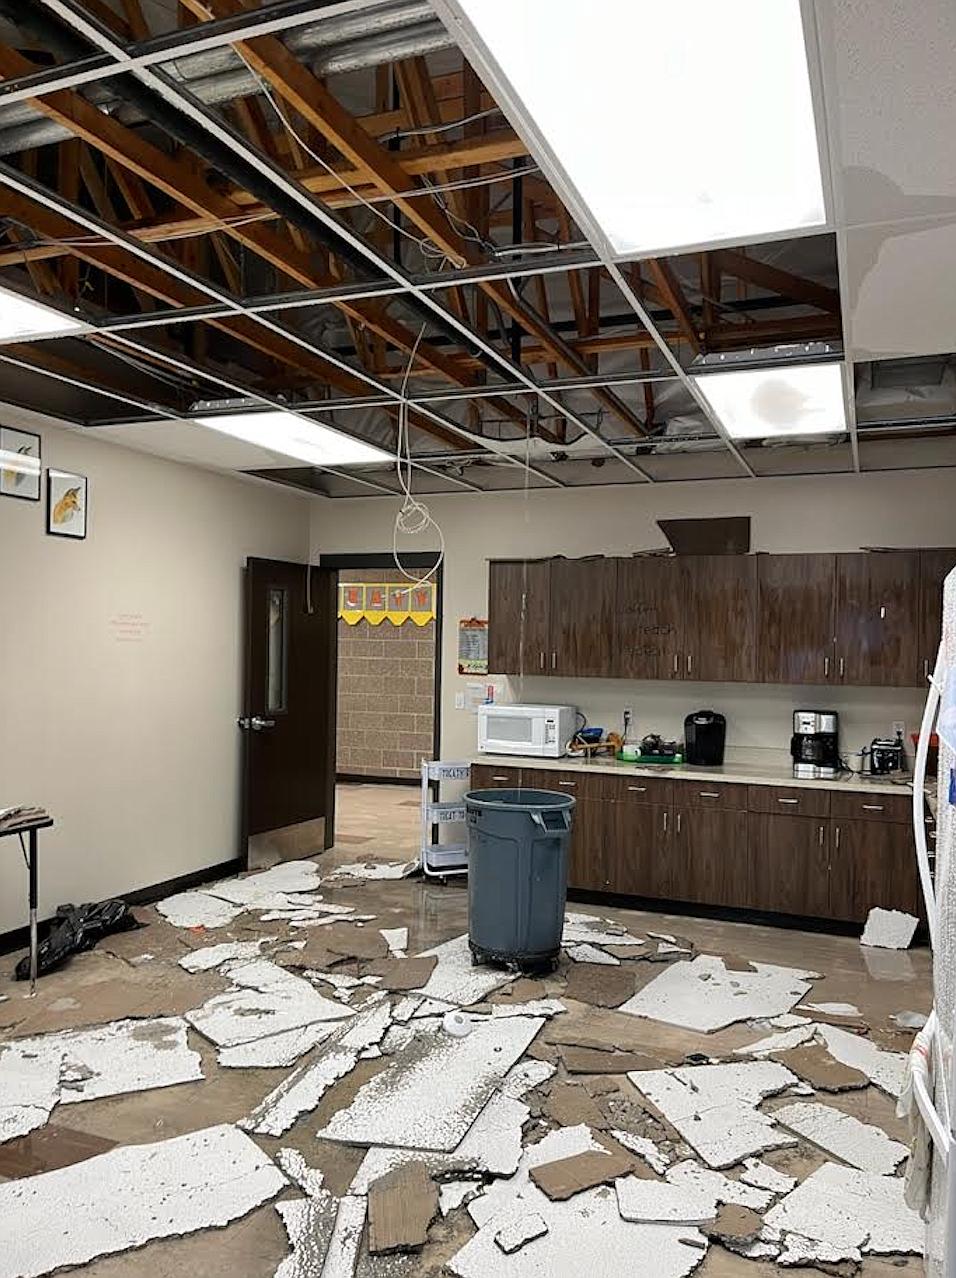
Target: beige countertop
pixel 740 773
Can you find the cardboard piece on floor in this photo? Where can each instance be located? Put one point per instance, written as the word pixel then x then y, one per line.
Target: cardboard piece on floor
pixel 734 1225
pixel 570 1105
pixel 594 983
pixel 401 1206
pixel 402 974
pixel 814 1064
pixel 569 1176
pixel 860 1144
pixel 585 1060
pixel 354 942
pixel 603 1029
pixel 889 929
pixel 130 1196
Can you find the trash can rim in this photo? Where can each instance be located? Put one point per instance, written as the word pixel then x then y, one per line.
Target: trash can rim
pixel 536 801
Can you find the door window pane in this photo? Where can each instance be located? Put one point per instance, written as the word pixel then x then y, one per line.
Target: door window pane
pixel 276 651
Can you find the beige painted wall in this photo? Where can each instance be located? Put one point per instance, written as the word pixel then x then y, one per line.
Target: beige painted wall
pixel 825 513
pixel 133 746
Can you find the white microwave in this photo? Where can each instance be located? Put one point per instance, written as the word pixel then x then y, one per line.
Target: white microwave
pixel 540 731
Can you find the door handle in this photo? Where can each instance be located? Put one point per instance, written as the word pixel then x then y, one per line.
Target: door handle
pixel 258 724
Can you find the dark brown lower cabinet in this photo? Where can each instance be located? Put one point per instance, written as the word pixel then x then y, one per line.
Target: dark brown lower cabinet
pixel 706 857
pixel 872 863
pixel 790 857
pixel 637 846
pixel 587 860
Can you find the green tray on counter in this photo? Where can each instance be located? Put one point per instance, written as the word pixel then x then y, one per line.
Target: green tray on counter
pixel 663 760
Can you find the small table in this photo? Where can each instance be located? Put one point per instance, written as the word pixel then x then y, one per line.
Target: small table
pixel 30 829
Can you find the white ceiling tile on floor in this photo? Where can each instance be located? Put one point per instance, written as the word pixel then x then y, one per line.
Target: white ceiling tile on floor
pixel 862 1145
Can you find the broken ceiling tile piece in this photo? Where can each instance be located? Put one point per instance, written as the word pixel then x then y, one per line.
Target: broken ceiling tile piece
pixel 29 1089
pixel 714 1107
pixel 841 1212
pixel 885 1069
pixel 197 909
pixel 787 1021
pixel 909 1020
pixel 453 1194
pixel 406 1007
pixel 778 1042
pixel 501 1195
pixel 210 956
pixel 456 979
pixel 368 1028
pixel 285 878
pixel 401 974
pixel 346 1238
pixel 814 1064
pixel 377 870
pixel 123 1056
pixel 593 983
pixel 520 1231
pixel 401 1206
pixel 831 1009
pixel 269 1000
pixel 591 1060
pixel 276 1050
pixel 299 1094
pixel 586 929
pixel 525 1076
pixel 889 929
pixel 762 1176
pixel 859 1144
pixel 546 1007
pixel 715 1184
pixel 645 1148
pixel 308 1224
pixel 690 1194
pixel 704 995
pixel 308 1179
pixel 582 952
pixel 350 940
pixel 396 938
pixel 566 1177
pixel 734 1225
pixel 433 1090
pixel 129 1196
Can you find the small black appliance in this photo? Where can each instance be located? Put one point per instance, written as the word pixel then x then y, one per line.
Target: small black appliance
pixel 704 734
pixel 886 756
pixel 815 744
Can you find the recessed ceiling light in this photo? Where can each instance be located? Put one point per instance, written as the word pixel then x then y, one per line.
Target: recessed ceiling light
pixel 295 437
pixel 21 318
pixel 768 403
pixel 670 140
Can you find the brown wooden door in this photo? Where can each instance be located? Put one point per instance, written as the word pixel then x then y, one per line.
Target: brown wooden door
pixel 636 849
pixel 719 617
pixel 288 719
pixel 583 599
pixel 649 640
pixel 707 858
pixel 519 617
pixel 877 618
pixel 873 863
pixel 934 565
pixel 796 597
pixel 790 858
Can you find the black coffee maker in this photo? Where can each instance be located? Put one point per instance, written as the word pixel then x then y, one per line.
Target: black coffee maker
pixel 815 744
pixel 704 734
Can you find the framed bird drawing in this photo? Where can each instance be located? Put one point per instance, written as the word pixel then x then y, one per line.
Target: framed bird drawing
pixel 20 465
pixel 66 504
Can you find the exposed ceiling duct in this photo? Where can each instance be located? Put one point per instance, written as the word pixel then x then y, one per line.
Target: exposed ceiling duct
pixel 371 38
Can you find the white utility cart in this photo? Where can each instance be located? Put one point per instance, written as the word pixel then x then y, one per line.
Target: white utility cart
pixel 442 860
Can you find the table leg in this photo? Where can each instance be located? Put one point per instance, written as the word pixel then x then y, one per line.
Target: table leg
pixel 33 913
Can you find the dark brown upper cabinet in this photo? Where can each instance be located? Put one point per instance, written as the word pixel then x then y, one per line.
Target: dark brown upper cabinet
pixel 649 631
pixel 796 600
pixel 934 565
pixel 719 617
pixel 878 598
pixel 519 616
pixel 583 604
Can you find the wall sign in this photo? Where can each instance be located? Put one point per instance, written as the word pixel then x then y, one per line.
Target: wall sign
pixel 472 646
pixel 378 601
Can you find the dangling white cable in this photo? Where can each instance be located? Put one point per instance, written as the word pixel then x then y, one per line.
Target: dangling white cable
pixel 413 518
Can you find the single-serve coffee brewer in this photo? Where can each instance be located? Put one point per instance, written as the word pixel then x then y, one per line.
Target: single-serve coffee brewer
pixel 815 744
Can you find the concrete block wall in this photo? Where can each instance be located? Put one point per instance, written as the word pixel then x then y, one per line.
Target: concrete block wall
pixel 386 694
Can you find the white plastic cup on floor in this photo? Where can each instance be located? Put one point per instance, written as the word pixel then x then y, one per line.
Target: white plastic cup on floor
pixel 458 1024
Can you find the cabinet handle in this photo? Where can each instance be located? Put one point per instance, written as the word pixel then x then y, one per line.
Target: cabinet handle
pixel 541 656
pixel 882 612
pixel 678 823
pixel 708 794
pixel 926 667
pixel 872 807
pixel 638 789
pixel 501 778
pixel 836 838
pixel 689 660
pixel 822 835
pixel 788 800
pixel 665 820
pixel 569 784
pixel 826 667
pixel 842 667
pixel 554 660
pixel 676 662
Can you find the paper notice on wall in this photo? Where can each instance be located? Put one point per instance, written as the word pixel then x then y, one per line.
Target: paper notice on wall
pixel 479 694
pixel 472 646
pixel 128 627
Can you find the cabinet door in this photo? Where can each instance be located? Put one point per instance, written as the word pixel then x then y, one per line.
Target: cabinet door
pixel 719 617
pixel 790 856
pixel 877 621
pixel 796 596
pixel 589 835
pixel 934 565
pixel 582 616
pixel 649 642
pixel 519 617
pixel 636 849
pixel 873 863
pixel 707 858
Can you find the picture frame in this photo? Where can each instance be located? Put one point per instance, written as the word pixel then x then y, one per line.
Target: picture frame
pixel 21 464
pixel 66 504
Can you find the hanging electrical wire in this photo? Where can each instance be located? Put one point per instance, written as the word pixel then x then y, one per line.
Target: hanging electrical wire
pixel 413 518
pixel 397 134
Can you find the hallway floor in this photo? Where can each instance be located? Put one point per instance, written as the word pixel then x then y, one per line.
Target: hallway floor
pixel 139 975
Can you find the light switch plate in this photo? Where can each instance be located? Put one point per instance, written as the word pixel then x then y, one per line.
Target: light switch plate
pixel 459 701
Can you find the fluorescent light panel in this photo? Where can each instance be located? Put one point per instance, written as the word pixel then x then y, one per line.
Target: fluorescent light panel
pixel 772 403
pixel 22 318
pixel 680 122
pixel 294 437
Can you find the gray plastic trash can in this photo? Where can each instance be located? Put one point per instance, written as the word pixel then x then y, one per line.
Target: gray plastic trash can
pixel 517 875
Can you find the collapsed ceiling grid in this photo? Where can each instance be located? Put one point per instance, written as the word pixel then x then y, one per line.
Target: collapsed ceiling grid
pixel 341 212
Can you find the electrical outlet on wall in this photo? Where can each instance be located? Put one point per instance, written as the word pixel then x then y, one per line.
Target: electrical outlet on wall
pixel 899 729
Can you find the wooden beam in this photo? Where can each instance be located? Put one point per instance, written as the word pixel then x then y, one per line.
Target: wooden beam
pixel 138 26
pixel 775 280
pixel 666 280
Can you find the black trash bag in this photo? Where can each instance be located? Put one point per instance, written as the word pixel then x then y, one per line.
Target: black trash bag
pixel 76 928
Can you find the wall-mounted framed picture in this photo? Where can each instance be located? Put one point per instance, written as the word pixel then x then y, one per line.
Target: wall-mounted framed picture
pixel 20 466
pixel 66 504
